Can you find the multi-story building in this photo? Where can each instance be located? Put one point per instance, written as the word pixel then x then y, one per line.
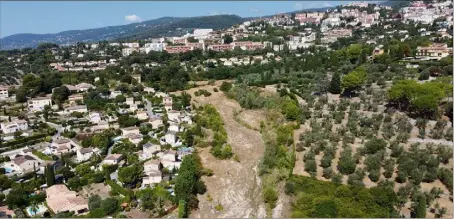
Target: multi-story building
pixel 131 45
pixel 4 92
pixel 313 18
pixel 154 47
pixel 436 50
pixel 14 126
pixel 129 51
pixel 177 40
pixel 37 104
pixel 202 32
pixel 254 46
pixel 200 46
pixel 178 49
pixel 220 47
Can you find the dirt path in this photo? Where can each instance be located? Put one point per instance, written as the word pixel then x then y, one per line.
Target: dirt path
pixel 235 185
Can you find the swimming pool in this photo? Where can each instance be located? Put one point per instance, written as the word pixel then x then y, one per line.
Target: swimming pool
pixel 41 209
pixel 8 170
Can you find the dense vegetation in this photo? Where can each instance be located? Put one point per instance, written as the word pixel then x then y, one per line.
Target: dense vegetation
pixel 328 200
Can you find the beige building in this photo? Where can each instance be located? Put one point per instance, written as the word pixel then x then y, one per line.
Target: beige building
pixel 61 199
pixel 437 50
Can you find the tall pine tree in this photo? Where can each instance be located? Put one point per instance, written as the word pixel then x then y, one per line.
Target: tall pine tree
pixel 335 85
pixel 50 176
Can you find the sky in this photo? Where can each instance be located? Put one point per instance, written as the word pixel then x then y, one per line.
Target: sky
pixel 56 16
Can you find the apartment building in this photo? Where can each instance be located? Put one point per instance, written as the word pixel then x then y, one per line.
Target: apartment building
pixel 220 47
pixel 178 49
pixel 436 50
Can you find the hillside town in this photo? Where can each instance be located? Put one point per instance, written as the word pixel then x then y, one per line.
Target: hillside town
pixel 111 129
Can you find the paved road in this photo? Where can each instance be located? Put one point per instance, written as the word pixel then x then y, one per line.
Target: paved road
pixel 148 107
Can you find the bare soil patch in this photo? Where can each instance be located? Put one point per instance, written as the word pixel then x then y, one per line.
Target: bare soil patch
pixel 235 185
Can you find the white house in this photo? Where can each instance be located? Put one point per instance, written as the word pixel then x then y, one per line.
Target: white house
pixel 168 107
pixel 84 154
pixel 113 159
pixel 74 98
pixel 152 178
pixel 149 149
pixel 78 108
pixel 170 165
pixel 83 87
pixel 60 146
pixel 167 100
pixel 37 104
pixel 174 127
pixel 173 115
pixel 4 92
pixel 14 126
pixel 135 138
pixel 156 122
pixel 141 115
pixel 160 94
pixel 151 166
pixel 130 130
pixel 171 137
pixel 169 155
pixel 23 164
pixel 149 90
pixel 114 94
pixel 130 101
pixel 94 117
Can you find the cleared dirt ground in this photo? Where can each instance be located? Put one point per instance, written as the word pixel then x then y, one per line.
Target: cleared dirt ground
pixel 235 185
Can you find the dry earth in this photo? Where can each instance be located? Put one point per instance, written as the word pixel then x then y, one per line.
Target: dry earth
pixel 235 185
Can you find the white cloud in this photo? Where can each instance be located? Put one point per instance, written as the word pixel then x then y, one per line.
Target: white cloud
pixel 255 10
pixel 133 18
pixel 214 13
pixel 298 6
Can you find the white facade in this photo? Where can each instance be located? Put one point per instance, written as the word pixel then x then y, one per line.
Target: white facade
pixel 80 109
pixel 37 104
pixel 3 92
pixel 171 138
pixel 14 126
pixel 150 149
pixel 156 123
pixel 133 130
pixel 141 115
pixel 168 164
pixel 112 159
pixel 154 178
pixel 202 32
pixel 173 115
pixel 84 154
pixel 95 118
pixel 158 47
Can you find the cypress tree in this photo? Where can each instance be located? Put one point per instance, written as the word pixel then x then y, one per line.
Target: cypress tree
pixel 50 176
pixel 335 85
pixel 420 210
pixel 34 171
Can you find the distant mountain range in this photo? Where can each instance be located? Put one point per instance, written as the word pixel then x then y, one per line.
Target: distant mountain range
pixel 161 27
pixel 165 26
